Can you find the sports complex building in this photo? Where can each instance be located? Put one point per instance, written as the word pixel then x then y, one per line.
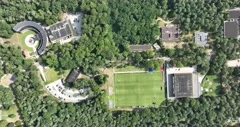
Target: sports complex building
pixel 182 82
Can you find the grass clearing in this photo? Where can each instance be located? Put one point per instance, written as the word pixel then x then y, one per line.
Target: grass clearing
pixel 22 41
pixel 188 36
pixel 138 89
pixel 5 114
pixel 211 85
pixel 53 75
pixel 160 24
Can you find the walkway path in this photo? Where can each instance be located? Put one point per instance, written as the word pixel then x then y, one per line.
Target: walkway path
pixel 41 70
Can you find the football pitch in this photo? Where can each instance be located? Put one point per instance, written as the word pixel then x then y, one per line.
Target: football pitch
pixel 138 89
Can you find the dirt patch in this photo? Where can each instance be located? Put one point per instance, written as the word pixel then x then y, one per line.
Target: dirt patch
pixel 210 83
pixel 82 76
pixel 172 45
pixel 110 81
pixel 110 91
pixel 7 79
pixel 14 40
pixel 188 37
pixel 161 22
pixel 164 21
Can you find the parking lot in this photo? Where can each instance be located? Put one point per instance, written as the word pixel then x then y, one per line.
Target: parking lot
pixel 58 90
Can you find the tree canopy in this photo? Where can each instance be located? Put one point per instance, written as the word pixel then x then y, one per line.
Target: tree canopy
pixel 108 28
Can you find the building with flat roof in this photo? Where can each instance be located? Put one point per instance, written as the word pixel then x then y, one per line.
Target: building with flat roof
pixel 72 76
pixel 60 31
pixel 140 48
pixel 170 33
pixel 231 28
pixel 182 83
pixel 201 38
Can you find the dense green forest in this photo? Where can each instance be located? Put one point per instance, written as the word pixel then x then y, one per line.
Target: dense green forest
pixel 39 110
pixel 107 31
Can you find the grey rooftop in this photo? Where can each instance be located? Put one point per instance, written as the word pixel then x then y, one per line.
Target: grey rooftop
pixel 140 48
pixel 201 38
pixel 37 28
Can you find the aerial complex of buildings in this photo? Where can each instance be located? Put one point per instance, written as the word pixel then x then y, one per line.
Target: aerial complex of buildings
pixel 231 27
pixel 39 37
pixel 184 82
pixel 62 32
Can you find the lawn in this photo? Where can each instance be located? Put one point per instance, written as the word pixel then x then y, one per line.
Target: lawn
pixel 22 41
pixel 53 75
pixel 138 89
pixel 211 85
pixel 5 114
pixel 129 68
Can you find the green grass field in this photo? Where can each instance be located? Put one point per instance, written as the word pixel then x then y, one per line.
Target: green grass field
pixel 53 75
pixel 211 85
pixel 22 41
pixel 138 89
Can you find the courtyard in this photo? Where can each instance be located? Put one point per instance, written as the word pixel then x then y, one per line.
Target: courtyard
pixel 27 41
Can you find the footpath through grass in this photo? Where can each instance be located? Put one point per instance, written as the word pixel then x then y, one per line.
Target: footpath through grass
pixel 138 89
pixel 211 85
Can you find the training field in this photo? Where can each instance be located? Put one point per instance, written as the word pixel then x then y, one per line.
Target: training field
pixel 138 89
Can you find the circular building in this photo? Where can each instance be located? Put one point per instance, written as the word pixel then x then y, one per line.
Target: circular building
pixel 31 39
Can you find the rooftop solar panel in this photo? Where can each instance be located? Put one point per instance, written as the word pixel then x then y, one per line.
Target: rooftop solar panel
pixel 60 30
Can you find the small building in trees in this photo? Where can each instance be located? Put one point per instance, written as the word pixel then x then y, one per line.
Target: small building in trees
pixel 72 76
pixel 26 54
pixel 156 46
pixel 201 38
pixel 182 83
pixel 170 33
pixel 231 28
pixel 140 48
